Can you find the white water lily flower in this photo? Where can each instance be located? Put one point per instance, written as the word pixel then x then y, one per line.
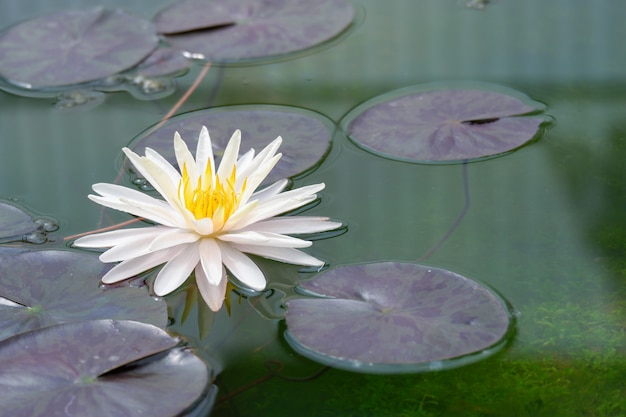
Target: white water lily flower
pixel 208 221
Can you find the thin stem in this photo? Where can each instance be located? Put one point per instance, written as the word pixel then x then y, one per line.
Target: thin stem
pixel 106 229
pixel 274 367
pixel 173 110
pixel 458 220
pixel 184 98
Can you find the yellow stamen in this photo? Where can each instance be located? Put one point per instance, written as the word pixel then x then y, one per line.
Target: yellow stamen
pixel 216 199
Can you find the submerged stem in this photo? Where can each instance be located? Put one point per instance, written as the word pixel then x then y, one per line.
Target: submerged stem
pixel 458 220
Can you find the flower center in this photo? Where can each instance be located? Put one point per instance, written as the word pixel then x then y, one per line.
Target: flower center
pixel 217 199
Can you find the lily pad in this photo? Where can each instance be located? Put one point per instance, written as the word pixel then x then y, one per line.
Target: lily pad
pixel 14 222
pixel 10 250
pixel 231 31
pixel 422 124
pixel 162 61
pixel 393 317
pixel 306 135
pixel 74 47
pixel 99 368
pixel 42 288
pixel 18 226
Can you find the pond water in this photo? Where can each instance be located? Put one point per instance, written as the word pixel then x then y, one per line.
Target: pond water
pixel 545 225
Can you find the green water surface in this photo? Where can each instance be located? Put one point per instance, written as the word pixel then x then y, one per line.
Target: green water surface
pixel 546 225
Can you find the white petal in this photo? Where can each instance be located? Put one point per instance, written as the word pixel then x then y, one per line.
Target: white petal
pixel 173 237
pixel 211 260
pixel 293 199
pixel 127 199
pixel 116 237
pixel 177 270
pixel 261 164
pixel 242 267
pixel 132 247
pixel 204 153
pixel 153 173
pixel 252 237
pixel 164 164
pixel 213 295
pixel 118 191
pixel 203 227
pixel 263 157
pixel 258 176
pixel 244 237
pixel 136 266
pixel 272 190
pixel 184 158
pixel 243 164
pixel 279 204
pixel 294 225
pixel 123 252
pixel 230 156
pixel 167 216
pixel 240 215
pixel 288 255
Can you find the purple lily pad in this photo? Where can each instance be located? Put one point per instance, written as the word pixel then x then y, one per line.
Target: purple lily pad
pixel 99 367
pixel 16 225
pixel 42 288
pixel 163 61
pixel 392 317
pixel 10 250
pixel 230 31
pixel 74 47
pixel 306 135
pixel 14 222
pixel 420 124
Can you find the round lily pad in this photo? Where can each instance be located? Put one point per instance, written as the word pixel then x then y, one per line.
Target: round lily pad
pixel 457 124
pixel 393 317
pixel 42 288
pixel 74 47
pixel 306 135
pixel 231 31
pixel 99 368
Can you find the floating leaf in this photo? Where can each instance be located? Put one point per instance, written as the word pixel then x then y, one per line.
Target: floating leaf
pixel 14 222
pixel 394 317
pixel 73 47
pixel 50 287
pixel 306 135
pixel 10 250
pixel 420 124
pixel 230 31
pixel 18 226
pixel 162 61
pixel 99 368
